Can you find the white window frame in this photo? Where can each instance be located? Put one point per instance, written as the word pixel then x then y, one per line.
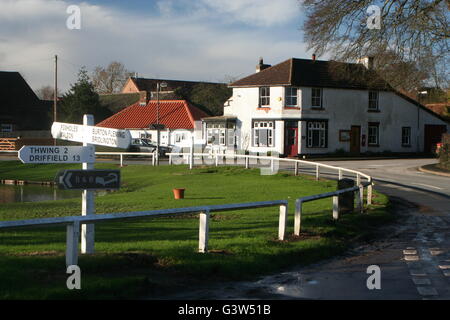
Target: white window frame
pixel 373 101
pixel 291 94
pixel 264 97
pixel 370 135
pixel 320 128
pixel 406 136
pixel 316 100
pixel 263 125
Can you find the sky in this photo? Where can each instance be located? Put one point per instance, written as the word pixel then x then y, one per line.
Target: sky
pixel 205 40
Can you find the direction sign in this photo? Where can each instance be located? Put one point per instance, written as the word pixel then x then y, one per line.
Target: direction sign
pixel 90 134
pixel 88 179
pixel 56 154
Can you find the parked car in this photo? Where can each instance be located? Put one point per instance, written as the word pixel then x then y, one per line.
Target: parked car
pixel 144 145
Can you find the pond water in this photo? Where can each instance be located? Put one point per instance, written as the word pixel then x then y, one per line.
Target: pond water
pixel 34 193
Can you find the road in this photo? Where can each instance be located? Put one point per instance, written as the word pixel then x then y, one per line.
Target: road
pixel 413 254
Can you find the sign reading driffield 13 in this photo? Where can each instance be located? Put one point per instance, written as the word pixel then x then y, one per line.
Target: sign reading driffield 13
pixel 57 154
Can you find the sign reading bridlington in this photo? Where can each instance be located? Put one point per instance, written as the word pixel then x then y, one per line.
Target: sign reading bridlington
pixel 56 154
pixel 89 134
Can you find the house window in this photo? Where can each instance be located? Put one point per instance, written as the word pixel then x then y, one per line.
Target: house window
pixel 406 136
pixel 316 97
pixel 215 133
pixel 6 127
pixel 373 100
pixel 264 96
pixel 180 137
pixel 263 132
pixel 373 136
pixel 317 134
pixel 291 97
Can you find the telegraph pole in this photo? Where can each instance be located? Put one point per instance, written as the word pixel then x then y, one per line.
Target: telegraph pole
pixel 55 93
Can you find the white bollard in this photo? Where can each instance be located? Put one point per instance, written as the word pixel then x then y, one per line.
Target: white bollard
pixel 282 222
pixel 203 232
pixel 340 174
pixel 298 217
pixel 296 169
pixel 317 172
pixel 121 160
pixel 247 163
pixel 358 179
pixel 335 207
pixel 72 238
pixel 170 159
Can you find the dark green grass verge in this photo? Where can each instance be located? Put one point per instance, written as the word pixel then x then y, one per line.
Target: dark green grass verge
pixel 152 257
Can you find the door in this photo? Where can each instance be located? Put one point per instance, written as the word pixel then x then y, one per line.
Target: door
pixel 355 139
pixel 291 140
pixel 433 135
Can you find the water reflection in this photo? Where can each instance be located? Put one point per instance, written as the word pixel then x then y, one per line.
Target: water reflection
pixel 34 193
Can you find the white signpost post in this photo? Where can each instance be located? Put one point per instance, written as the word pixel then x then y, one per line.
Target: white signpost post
pixel 90 135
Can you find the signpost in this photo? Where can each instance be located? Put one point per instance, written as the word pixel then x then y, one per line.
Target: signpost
pixel 59 154
pixel 92 135
pixel 88 179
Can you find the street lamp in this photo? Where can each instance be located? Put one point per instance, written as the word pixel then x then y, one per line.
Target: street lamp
pixel 159 85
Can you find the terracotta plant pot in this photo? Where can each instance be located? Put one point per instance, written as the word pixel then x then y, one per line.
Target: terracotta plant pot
pixel 178 193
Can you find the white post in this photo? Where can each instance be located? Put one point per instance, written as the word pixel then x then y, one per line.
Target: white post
pixel 296 168
pixel 360 199
pixel 369 193
pixel 317 172
pixel 358 179
pixel 217 160
pixel 121 160
pixel 282 222
pixel 335 207
pixel 153 159
pixel 246 162
pixel 203 232
pixel 340 174
pixel 191 156
pixel 272 165
pixel 88 201
pixel 170 159
pixel 298 217
pixel 72 238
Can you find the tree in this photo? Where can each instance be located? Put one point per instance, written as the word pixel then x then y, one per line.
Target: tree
pixel 82 99
pixel 414 32
pixel 110 79
pixel 209 97
pixel 46 93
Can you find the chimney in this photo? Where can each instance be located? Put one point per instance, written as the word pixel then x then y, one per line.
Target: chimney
pixel 367 62
pixel 261 66
pixel 143 100
pixel 313 57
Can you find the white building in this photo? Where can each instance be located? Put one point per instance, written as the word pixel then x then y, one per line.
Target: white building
pixel 305 106
pixel 178 121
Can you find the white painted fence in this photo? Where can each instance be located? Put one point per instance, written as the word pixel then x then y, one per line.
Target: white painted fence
pixel 356 175
pixel 73 223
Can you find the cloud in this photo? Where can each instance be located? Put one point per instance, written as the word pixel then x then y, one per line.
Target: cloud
pixel 189 40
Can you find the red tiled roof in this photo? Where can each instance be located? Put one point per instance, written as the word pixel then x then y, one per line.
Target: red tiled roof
pixel 174 114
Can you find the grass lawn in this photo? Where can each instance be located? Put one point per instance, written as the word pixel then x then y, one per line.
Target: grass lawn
pixel 150 257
